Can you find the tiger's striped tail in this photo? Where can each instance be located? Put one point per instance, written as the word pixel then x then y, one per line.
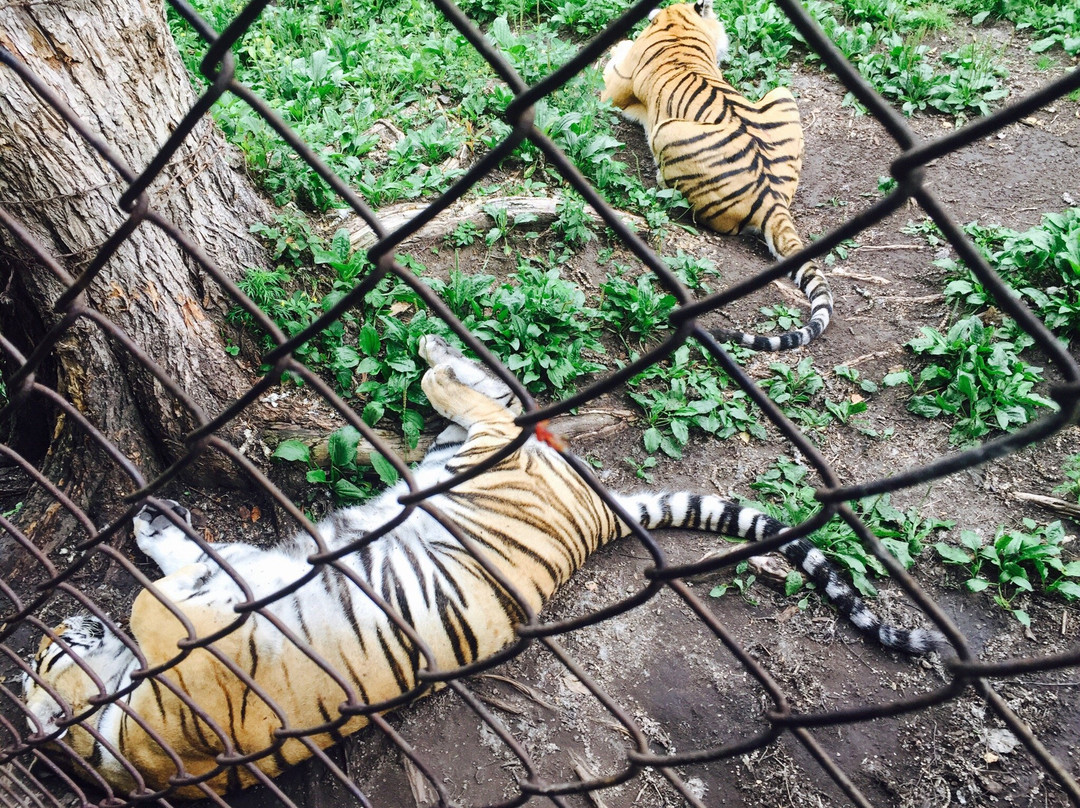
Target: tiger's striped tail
pixel 783 240
pixel 717 515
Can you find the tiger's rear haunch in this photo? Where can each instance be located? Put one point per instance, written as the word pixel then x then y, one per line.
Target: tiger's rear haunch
pixel 532 516
pixel 735 160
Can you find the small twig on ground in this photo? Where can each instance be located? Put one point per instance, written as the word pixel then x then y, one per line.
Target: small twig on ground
pixel 902 299
pixel 858 360
pixel 530 693
pixel 891 247
pixel 860 276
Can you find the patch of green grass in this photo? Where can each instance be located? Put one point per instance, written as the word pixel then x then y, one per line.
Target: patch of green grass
pixel 973 83
pixel 794 388
pixel 964 81
pixel 396 102
pixel 370 351
pixel 741 583
pixel 685 394
pixel 762 39
pixel 691 270
pixel 331 73
pixel 1070 469
pixel 845 410
pixel 536 322
pixel 1051 23
pixel 779 318
pixel 635 308
pixel 501 226
pixel 898 15
pixel 1016 562
pixel 852 375
pixel 926 228
pixel 1042 264
pixel 788 497
pixel 572 225
pixel 341 474
pixel 643 469
pixel 294 305
pixel 840 252
pixel 974 377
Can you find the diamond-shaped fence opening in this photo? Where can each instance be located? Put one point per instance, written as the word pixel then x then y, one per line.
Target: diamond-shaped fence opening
pixel 634 691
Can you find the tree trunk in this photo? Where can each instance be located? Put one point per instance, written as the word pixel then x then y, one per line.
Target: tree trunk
pixel 115 65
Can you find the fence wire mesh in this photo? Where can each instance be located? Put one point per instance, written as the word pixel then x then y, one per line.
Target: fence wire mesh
pixel 31 776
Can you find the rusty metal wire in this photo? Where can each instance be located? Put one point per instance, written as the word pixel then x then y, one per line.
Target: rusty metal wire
pixel 28 777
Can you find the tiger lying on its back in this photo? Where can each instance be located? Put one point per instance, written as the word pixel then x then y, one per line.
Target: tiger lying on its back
pixel 736 161
pixel 531 514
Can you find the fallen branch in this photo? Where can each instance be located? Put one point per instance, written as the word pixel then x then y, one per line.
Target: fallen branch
pixel 544 209
pixel 1062 507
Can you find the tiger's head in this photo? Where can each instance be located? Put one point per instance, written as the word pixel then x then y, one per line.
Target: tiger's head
pixel 98 648
pixel 698 16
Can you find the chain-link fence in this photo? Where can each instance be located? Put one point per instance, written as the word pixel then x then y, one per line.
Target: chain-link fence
pixel 29 776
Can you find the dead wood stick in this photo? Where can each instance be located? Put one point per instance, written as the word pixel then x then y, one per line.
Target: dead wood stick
pixel 545 209
pixel 1062 507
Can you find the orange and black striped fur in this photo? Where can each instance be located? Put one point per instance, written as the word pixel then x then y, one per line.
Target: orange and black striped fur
pixel 531 517
pixel 737 161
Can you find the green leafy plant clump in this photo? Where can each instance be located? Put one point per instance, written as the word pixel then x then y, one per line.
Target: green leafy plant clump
pixel 883 38
pixel 686 394
pixel 1042 264
pixel 370 350
pixel 967 80
pixel 975 378
pixel 636 308
pixel 398 102
pixel 536 321
pixel 341 473
pixel 1050 22
pixel 1071 471
pixel 1016 562
pixel 794 388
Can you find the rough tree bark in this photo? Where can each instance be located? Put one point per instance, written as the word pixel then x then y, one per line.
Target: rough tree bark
pixel 117 68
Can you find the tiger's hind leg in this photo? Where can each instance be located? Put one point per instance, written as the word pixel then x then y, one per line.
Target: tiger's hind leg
pixel 163 541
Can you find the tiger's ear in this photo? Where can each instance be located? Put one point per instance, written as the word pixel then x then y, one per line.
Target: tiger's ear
pixel 704 8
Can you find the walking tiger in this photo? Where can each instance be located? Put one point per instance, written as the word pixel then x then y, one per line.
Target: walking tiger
pixel 533 518
pixel 736 161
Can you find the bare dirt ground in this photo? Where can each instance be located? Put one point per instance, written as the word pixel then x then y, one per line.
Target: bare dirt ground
pixel 659 662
